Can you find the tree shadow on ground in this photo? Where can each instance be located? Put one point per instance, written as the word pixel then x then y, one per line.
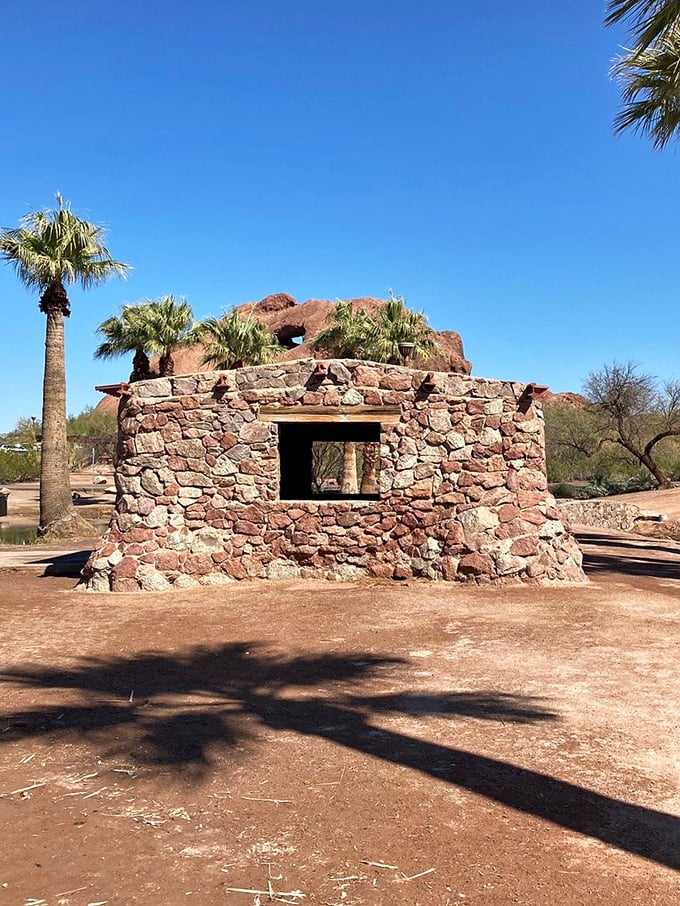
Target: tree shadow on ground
pixel 628 559
pixel 642 543
pixel 180 709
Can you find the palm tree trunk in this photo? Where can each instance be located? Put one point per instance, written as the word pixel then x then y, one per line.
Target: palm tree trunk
pixel 350 484
pixel 166 365
pixel 369 468
pixel 141 369
pixel 57 513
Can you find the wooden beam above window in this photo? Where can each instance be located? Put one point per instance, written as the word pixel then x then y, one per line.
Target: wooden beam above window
pixel 387 415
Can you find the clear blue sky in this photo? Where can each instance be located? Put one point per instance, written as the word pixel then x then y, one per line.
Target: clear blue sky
pixel 459 153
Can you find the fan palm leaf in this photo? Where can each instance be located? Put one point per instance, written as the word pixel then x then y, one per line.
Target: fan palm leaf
pixel 395 324
pixel 649 19
pixel 650 89
pixel 349 334
pixel 233 341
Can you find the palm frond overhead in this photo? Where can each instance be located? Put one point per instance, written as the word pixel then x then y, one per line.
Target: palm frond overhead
pixel 649 19
pixel 650 90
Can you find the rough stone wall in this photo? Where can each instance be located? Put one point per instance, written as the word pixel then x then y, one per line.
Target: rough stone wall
pixel 624 517
pixel 463 490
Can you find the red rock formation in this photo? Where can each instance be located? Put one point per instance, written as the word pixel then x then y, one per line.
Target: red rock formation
pixel 296 324
pixel 567 399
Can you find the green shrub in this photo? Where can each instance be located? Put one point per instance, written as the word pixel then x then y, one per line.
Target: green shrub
pixel 19 466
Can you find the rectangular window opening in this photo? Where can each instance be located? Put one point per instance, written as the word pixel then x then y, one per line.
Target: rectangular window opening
pixel 336 461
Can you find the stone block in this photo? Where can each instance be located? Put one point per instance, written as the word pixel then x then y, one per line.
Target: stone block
pixel 152 389
pixel 476 564
pixel 478 520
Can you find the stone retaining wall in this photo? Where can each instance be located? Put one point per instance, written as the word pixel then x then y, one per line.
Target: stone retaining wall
pixel 605 514
pixel 463 492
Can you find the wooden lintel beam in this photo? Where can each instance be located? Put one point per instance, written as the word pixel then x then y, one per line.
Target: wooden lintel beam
pixel 387 415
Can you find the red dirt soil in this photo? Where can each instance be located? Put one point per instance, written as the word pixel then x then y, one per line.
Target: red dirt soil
pixel 359 743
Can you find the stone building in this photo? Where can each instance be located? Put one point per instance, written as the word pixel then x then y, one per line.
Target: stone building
pixel 229 475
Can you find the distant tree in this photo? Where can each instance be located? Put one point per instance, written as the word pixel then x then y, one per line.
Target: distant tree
pixel 233 341
pixel 649 73
pixel 327 459
pixel 92 430
pixel 49 251
pixel 635 411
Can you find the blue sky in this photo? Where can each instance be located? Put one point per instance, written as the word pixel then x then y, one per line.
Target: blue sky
pixel 458 153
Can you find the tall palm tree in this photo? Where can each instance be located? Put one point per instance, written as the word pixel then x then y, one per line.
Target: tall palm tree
pixel 349 334
pixel 650 89
pixel 233 342
pixel 649 18
pixel 395 324
pixel 124 334
pixel 49 251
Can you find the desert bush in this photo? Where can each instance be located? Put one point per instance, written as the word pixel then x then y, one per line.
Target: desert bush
pixel 19 466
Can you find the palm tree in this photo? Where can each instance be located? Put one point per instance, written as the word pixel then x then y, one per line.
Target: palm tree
pixel 232 342
pixel 170 325
pixel 349 334
pixel 650 89
pixel 158 326
pixel 649 18
pixel 395 324
pixel 50 250
pixel 124 334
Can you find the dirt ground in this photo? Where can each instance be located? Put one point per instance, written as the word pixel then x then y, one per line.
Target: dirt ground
pixel 91 498
pixel 330 743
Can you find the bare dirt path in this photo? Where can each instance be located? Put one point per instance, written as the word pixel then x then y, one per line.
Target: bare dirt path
pixel 356 744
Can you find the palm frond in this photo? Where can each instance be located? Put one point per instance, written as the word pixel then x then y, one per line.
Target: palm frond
pixel 233 341
pixel 58 247
pixel 649 19
pixel 650 90
pixel 349 334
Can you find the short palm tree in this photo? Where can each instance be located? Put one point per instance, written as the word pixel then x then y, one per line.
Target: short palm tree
pixel 650 89
pixel 124 334
pixel 357 335
pixel 395 324
pixel 349 334
pixel 170 326
pixel 157 326
pixel 233 342
pixel 49 251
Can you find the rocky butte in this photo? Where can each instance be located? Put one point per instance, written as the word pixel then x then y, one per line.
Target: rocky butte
pixel 224 476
